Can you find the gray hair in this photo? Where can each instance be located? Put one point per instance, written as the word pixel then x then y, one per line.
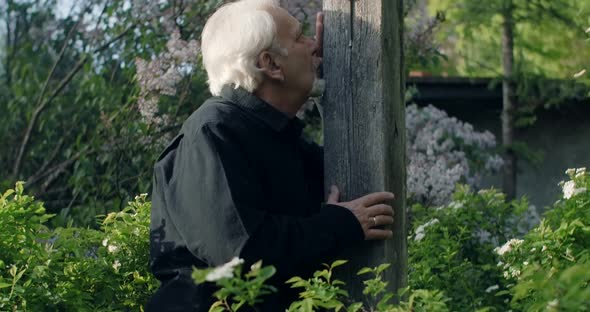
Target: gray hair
pixel 233 38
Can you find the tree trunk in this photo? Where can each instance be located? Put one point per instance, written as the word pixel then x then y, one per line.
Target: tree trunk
pixel 509 110
pixel 364 126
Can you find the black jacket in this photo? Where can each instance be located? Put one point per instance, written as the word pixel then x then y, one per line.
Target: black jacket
pixel 239 180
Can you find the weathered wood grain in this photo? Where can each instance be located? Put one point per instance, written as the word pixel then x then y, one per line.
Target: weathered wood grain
pixel 364 126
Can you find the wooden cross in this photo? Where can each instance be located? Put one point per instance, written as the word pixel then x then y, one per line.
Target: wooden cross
pixel 364 122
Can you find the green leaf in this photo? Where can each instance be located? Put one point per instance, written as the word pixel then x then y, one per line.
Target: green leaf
pixel 256 266
pixel 4 285
pixel 19 187
pixel 7 193
pixel 301 283
pixel 323 273
pixel 217 306
pixel 338 263
pixel 293 280
pixel 20 274
pixel 200 275
pixel 267 272
pixel 308 305
pixel 364 270
pixel 355 307
pixel 383 267
pixel 236 306
pixel 12 270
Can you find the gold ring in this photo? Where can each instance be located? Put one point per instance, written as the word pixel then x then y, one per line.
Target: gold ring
pixel 374 221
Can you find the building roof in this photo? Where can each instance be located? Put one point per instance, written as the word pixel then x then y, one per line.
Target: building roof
pixel 456 90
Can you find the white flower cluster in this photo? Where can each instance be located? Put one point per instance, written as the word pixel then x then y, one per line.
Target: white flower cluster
pixel 436 152
pixel 111 248
pixel 116 265
pixel 492 288
pixel 512 272
pixel 420 234
pixel 161 75
pixel 569 187
pixel 507 247
pixel 580 73
pixel 224 271
pixel 553 305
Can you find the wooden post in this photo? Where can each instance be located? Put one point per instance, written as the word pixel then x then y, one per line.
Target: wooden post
pixel 364 125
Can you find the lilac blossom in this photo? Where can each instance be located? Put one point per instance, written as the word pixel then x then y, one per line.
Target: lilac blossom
pixel 161 75
pixel 442 151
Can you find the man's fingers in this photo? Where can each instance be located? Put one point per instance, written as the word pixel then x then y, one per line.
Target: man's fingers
pixel 319 33
pixel 381 209
pixel 334 195
pixel 378 234
pixel 383 220
pixel 375 198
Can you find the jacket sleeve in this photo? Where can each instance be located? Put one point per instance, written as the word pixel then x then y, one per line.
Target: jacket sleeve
pixel 313 167
pixel 217 201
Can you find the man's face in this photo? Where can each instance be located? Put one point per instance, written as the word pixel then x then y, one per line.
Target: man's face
pixel 300 65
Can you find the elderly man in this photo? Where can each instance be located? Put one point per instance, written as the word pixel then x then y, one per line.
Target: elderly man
pixel 239 180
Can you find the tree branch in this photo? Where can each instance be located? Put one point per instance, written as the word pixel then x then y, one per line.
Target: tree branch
pixel 483 65
pixel 183 94
pixel 56 92
pixel 40 104
pixel 54 172
pixel 59 57
pixel 40 173
pixel 57 170
pixel 7 69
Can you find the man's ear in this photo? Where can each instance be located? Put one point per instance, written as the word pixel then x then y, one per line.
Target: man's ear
pixel 268 65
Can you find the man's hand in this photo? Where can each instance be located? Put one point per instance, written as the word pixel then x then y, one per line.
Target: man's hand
pixel 370 211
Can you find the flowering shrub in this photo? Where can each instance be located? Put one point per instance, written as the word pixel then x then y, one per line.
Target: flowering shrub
pixel 443 151
pixel 236 290
pixel 549 269
pixel 161 76
pixel 467 250
pixel 319 292
pixel 451 248
pixel 72 269
pixel 462 256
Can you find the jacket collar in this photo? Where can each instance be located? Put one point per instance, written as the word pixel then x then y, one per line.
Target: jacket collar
pixel 263 111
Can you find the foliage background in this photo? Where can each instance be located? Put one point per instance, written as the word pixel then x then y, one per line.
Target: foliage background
pixel 463 257
pixel 67 87
pixel 75 130
pixel 550 37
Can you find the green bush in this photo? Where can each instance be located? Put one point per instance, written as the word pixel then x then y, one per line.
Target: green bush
pixel 72 269
pixel 451 247
pixel 462 257
pixel 320 292
pixel 549 269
